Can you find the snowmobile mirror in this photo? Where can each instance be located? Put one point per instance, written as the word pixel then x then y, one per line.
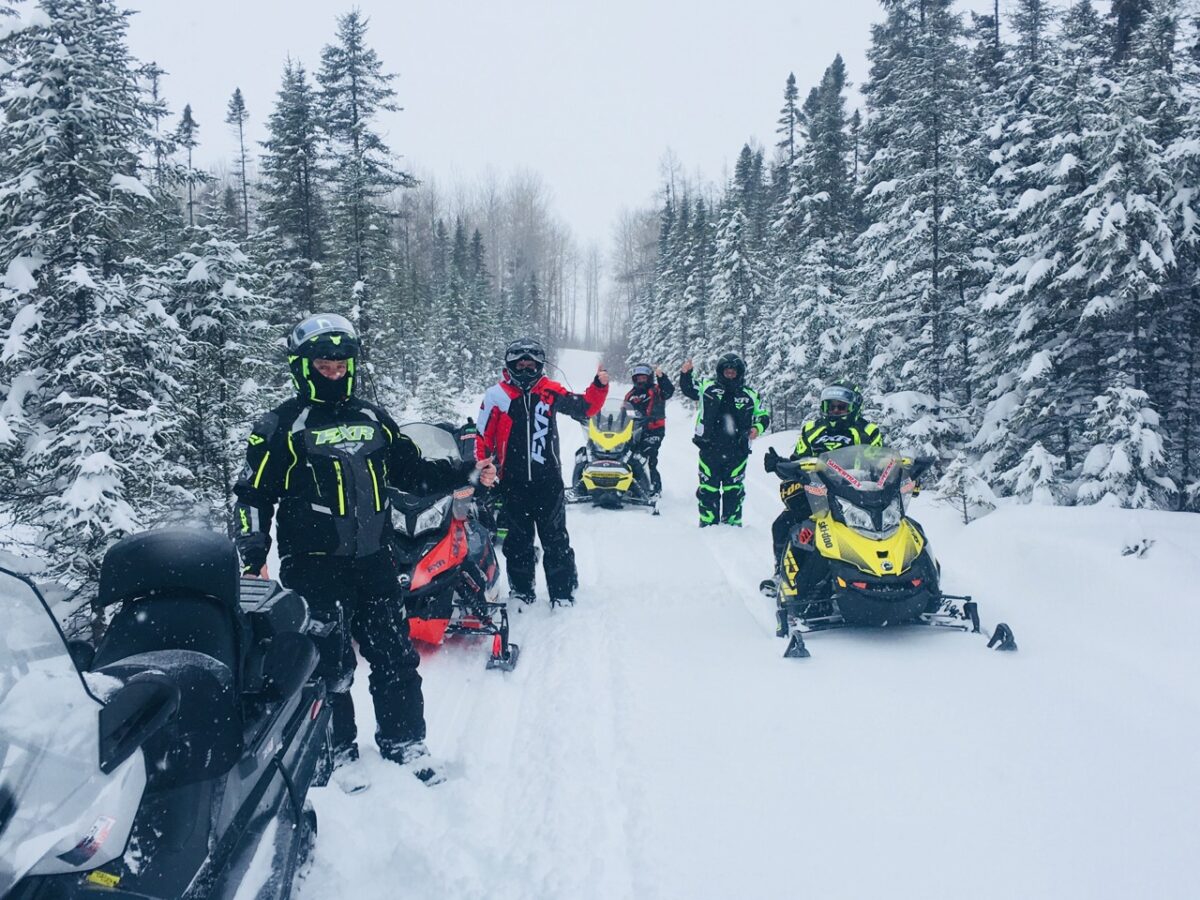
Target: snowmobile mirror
pixel 82 654
pixel 132 715
pixel 462 503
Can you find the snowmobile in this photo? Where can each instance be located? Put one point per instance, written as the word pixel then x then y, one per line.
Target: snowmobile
pixel 171 758
pixel 860 561
pixel 449 572
pixel 608 471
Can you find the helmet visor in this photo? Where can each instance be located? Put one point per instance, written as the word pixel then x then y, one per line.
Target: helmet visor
pixel 640 371
pixel 315 326
pixel 525 350
pixel 838 394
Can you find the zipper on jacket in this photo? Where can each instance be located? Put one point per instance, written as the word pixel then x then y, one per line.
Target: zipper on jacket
pixel 528 437
pixel 337 467
pixel 375 484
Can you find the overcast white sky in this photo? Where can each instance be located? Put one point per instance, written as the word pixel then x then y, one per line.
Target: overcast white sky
pixel 590 95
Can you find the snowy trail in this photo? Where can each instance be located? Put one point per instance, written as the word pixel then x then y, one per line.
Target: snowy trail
pixel 653 743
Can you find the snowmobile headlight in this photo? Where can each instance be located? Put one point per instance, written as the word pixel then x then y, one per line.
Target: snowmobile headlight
pixel 891 517
pixel 857 517
pixel 432 517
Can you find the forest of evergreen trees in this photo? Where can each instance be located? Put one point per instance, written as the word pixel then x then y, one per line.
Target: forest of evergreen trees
pixel 144 302
pixel 1002 249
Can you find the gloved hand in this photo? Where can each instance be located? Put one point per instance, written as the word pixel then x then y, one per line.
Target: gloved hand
pixel 770 459
pixel 252 548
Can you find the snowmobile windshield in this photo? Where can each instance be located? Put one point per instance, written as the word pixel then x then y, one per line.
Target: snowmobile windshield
pixel 50 778
pixel 434 441
pixel 866 475
pixel 614 416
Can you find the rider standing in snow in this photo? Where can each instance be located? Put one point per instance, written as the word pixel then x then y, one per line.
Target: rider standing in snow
pixel 517 427
pixel 841 424
pixel 324 458
pixel 649 395
pixel 729 418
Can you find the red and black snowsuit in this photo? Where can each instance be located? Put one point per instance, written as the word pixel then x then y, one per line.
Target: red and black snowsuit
pixel 651 402
pixel 519 430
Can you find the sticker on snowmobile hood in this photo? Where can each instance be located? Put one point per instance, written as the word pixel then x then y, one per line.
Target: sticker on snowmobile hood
pixel 91 842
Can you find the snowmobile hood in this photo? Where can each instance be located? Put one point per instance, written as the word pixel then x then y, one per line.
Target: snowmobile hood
pixel 59 812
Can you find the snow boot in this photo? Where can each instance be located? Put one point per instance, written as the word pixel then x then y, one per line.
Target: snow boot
pixel 349 772
pixel 769 587
pixel 415 757
pixel 526 597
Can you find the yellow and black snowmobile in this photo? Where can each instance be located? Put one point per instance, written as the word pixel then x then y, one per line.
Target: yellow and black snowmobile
pixel 609 470
pixel 859 560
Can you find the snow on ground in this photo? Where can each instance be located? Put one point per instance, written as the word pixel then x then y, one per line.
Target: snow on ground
pixel 654 743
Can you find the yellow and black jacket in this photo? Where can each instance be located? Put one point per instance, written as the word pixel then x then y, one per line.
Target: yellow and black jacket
pixel 327 466
pixel 819 436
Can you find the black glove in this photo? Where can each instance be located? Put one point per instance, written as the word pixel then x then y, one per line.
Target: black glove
pixel 770 459
pixel 252 548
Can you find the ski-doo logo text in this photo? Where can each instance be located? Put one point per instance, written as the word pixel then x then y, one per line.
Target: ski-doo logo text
pixel 541 430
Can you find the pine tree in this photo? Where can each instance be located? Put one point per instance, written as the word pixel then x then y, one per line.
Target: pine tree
pixel 230 361
pixel 186 137
pixel 236 115
pixel 84 402
pixel 355 90
pixel 292 205
pixel 916 190
pixel 1126 466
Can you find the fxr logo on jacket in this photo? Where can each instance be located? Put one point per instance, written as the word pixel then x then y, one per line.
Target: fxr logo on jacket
pixel 541 431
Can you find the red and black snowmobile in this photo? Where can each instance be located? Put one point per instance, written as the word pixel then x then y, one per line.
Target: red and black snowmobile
pixel 449 571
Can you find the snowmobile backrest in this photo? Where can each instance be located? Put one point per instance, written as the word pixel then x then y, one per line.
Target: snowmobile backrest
pixel 175 561
pixel 178 590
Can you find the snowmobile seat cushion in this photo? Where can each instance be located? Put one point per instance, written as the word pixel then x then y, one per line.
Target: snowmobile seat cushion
pixel 271 609
pixel 179 560
pixel 196 623
pixel 204 738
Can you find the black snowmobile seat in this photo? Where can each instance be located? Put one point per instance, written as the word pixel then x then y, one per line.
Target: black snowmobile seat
pixel 179 591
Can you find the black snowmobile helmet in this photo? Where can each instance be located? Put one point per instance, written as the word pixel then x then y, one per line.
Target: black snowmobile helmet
pixel 522 349
pixel 841 392
pixel 731 361
pixel 643 376
pixel 323 336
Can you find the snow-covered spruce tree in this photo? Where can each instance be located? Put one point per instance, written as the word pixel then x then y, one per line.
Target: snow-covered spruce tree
pixel 806 331
pixel 1036 478
pixel 87 427
pixel 187 138
pixel 236 116
pixel 234 364
pixel 1126 466
pixel 1038 365
pixel 1182 411
pixel 696 290
pixel 916 189
pixel 963 488
pixel 354 91
pixel 290 202
pixel 737 282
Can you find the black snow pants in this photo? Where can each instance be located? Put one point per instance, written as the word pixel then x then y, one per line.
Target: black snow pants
pixel 539 506
pixel 722 486
pixel 361 599
pixel 648 447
